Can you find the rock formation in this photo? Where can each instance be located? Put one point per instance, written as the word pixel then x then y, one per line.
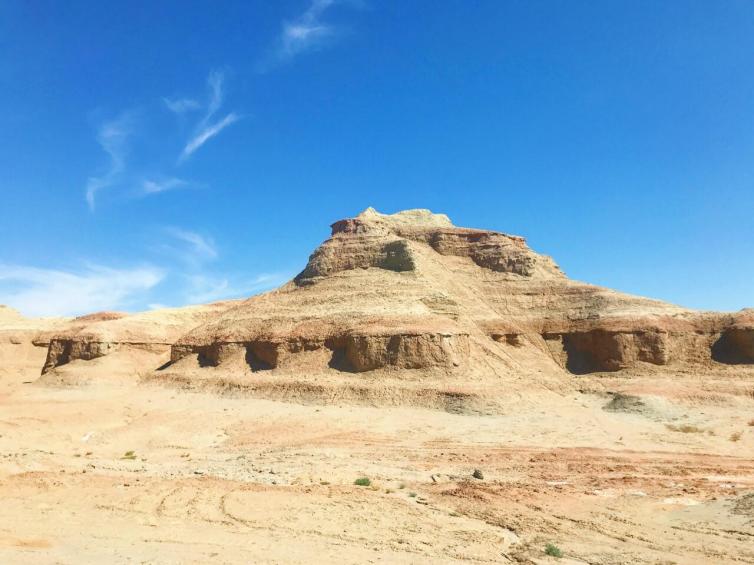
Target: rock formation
pixel 99 334
pixel 410 296
pixel 410 291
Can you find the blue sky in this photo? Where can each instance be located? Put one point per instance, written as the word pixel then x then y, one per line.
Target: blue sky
pixel 164 153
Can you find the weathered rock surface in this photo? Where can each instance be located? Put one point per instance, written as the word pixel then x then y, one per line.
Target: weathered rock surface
pixel 96 335
pixel 410 291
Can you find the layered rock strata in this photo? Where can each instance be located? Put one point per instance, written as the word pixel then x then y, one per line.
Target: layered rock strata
pixel 410 291
pixel 96 335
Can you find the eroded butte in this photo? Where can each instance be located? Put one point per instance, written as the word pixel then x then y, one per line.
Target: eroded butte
pixel 488 404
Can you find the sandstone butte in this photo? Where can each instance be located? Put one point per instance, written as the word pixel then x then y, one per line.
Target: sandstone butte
pixel 497 410
pixel 406 299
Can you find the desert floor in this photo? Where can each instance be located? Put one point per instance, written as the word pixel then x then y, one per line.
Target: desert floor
pixel 118 471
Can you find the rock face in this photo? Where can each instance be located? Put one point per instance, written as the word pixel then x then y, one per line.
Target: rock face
pixel 385 242
pixel 411 292
pixel 412 296
pixel 96 335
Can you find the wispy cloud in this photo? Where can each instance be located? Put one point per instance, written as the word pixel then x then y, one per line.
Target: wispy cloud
pixel 208 127
pixel 206 133
pixel 150 186
pixel 307 31
pixel 200 248
pixel 113 137
pixel 216 84
pixel 50 292
pixel 203 288
pixel 198 284
pixel 181 105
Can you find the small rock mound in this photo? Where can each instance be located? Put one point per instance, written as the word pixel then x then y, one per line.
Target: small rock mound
pixel 100 317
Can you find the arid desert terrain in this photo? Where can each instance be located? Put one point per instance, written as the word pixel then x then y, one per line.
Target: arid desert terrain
pixel 419 393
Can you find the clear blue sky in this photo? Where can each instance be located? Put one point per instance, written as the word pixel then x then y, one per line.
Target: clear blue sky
pixel 173 152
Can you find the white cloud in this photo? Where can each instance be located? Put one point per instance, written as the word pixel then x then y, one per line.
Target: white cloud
pixel 200 248
pixel 205 134
pixel 305 31
pixel 308 31
pixel 181 105
pixel 216 83
pixel 49 292
pixel 112 137
pixel 203 288
pixel 206 129
pixel 150 186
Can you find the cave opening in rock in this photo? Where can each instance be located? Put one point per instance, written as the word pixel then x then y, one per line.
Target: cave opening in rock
pixel 592 352
pixel 580 360
pixel 65 355
pixel 261 356
pixel 734 347
pixel 339 358
pixel 205 358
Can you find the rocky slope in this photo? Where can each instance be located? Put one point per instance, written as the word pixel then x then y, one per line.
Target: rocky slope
pixel 408 296
pixel 614 428
pixel 96 335
pixel 410 291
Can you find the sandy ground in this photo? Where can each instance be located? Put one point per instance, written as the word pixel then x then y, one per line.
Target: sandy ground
pixel 119 471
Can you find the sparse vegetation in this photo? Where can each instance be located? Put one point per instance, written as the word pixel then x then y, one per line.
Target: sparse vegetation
pixel 625 403
pixel 477 474
pixel 735 436
pixel 362 482
pixel 412 494
pixel 684 428
pixel 401 486
pixel 751 422
pixel 129 455
pixel 553 550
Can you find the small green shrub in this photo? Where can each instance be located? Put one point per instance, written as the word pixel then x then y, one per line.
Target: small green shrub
pixel 412 494
pixel 362 482
pixel 553 550
pixel 129 455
